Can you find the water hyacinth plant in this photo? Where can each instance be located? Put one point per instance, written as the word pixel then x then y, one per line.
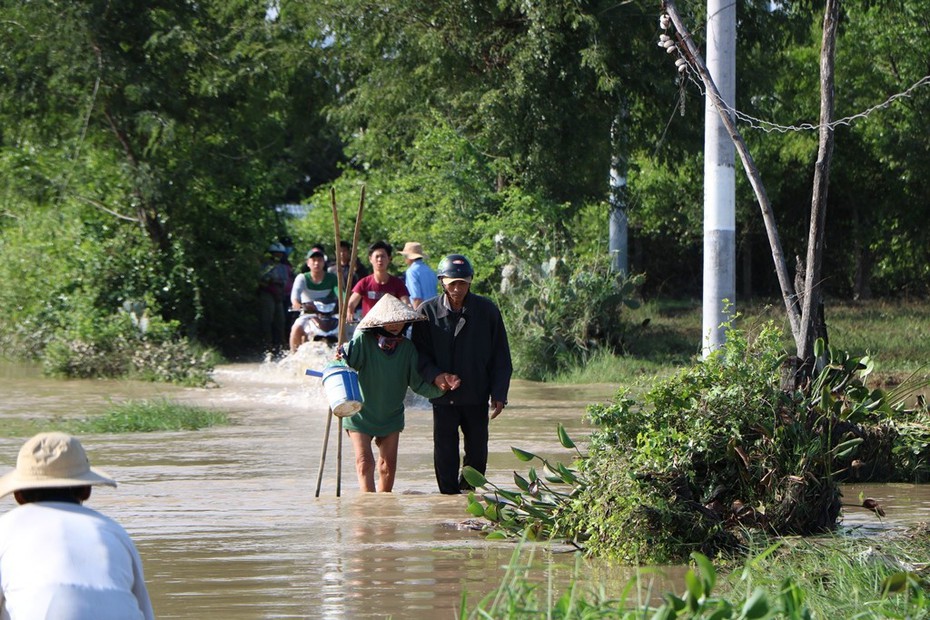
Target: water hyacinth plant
pixel 533 510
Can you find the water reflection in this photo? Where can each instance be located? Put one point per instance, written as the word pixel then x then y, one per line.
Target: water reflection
pixel 228 526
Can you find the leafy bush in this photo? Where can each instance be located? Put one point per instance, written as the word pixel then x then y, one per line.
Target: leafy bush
pixel 129 344
pixel 559 316
pixel 713 453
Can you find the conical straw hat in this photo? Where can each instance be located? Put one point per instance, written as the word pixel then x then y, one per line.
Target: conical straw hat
pixel 389 309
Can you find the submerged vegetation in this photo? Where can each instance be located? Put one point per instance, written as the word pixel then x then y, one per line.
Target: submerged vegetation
pixel 715 453
pixel 831 577
pixel 132 416
pixel 145 416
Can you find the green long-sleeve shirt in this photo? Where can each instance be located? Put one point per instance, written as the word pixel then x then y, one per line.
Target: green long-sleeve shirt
pixel 383 380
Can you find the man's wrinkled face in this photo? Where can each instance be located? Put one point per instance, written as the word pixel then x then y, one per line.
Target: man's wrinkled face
pixel 457 290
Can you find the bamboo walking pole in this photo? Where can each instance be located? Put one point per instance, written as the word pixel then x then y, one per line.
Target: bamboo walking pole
pixel 319 475
pixel 339 340
pixel 344 306
pixel 329 412
pixel 342 284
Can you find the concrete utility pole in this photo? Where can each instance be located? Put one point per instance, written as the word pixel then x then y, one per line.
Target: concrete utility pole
pixel 617 242
pixel 719 179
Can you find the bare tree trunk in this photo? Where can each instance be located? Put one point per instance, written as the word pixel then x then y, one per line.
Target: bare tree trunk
pixel 146 214
pixel 784 279
pixel 811 299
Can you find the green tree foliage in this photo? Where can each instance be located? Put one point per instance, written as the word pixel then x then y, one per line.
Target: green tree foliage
pixel 159 135
pixel 534 87
pixel 143 145
pixel 464 113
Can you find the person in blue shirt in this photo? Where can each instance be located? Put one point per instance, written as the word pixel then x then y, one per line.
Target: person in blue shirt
pixel 420 279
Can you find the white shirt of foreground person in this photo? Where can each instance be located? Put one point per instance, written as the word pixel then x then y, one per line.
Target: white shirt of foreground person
pixel 64 561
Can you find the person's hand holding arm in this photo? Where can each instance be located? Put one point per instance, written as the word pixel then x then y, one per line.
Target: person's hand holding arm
pixel 447 382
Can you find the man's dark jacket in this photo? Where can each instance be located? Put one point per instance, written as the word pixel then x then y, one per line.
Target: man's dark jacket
pixel 475 348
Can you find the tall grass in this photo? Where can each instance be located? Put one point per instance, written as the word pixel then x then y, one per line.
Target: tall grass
pixel 132 416
pixel 144 416
pixel 830 577
pixel 668 337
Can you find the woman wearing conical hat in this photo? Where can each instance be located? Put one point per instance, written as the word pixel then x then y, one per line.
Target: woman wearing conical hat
pixel 387 365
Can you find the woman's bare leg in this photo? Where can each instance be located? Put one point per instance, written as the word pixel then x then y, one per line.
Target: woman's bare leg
pixel 387 461
pixel 364 461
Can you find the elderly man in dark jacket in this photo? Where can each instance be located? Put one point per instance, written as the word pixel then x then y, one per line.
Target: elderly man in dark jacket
pixel 462 348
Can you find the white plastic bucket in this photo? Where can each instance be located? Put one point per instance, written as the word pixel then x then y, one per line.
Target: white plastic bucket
pixel 341 386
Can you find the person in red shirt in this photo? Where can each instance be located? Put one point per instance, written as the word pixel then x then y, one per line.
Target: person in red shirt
pixel 371 288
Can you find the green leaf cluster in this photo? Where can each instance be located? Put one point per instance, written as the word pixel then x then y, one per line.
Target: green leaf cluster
pixel 720 450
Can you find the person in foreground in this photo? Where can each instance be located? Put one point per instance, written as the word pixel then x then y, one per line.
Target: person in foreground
pixel 58 559
pixel 462 339
pixel 387 364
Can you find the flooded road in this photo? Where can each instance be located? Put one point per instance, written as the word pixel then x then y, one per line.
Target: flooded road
pixel 226 520
pixel 228 526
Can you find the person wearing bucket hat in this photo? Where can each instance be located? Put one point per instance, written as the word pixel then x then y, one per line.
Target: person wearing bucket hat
pixel 386 363
pixel 420 278
pixel 462 346
pixel 58 558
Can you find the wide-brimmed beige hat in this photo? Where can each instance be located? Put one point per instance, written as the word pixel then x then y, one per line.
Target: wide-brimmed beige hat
pixel 51 460
pixel 412 250
pixel 388 310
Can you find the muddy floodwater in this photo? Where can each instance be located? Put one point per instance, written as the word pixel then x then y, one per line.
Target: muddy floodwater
pixel 227 521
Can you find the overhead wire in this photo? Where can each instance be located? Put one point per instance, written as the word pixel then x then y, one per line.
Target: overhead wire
pixel 687 70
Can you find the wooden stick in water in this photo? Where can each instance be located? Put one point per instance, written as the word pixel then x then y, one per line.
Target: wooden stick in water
pixel 344 318
pixel 329 412
pixel 319 475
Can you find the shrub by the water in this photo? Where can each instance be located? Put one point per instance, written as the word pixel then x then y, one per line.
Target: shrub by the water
pixel 716 452
pixel 128 344
pixel 561 316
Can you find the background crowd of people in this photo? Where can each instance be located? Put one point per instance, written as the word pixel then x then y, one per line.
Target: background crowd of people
pixel 457 353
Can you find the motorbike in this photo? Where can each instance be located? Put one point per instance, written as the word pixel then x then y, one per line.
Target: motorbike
pixel 320 321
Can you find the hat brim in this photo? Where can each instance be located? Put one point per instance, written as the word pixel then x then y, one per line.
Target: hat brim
pixel 369 323
pixel 412 255
pixel 448 280
pixel 17 481
pixel 387 311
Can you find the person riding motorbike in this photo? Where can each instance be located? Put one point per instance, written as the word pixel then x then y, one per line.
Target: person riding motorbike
pixel 315 295
pixel 318 320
